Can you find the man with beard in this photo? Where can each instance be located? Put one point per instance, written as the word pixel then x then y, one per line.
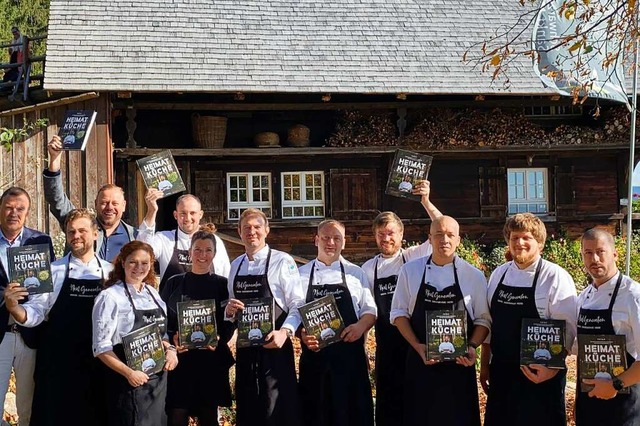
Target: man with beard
pixel 526 287
pixel 171 248
pixel 609 305
pixel 18 344
pixel 67 376
pixel 382 274
pixel 113 232
pixel 438 392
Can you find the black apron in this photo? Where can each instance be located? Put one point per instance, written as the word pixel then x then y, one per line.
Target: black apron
pixel 512 397
pixel 445 393
pixel 391 354
pixel 266 390
pixel 179 263
pixel 68 379
pixel 624 409
pixel 334 382
pixel 142 405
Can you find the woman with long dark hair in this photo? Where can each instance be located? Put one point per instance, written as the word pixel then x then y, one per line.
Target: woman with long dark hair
pixel 200 384
pixel 129 302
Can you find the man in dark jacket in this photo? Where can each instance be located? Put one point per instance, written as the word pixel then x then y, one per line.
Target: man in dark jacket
pixel 17 344
pixel 113 232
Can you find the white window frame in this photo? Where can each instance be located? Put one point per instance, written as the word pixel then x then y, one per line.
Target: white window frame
pixel 528 198
pixel 303 202
pixel 241 206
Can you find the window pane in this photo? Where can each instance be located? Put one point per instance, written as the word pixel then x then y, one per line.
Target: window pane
pixel 308 179
pixel 317 194
pixel 287 180
pixel 512 192
pixel 297 211
pixel 519 192
pixel 265 195
pixel 308 211
pixel 533 208
pixel 519 178
pixel 522 208
pixel 242 181
pixel 233 214
pixel 242 195
pixel 317 179
pixel 287 195
pixel 309 194
pixel 255 181
pixel 233 182
pixel 542 208
pixel 513 209
pixel 296 194
pixel 287 212
pixel 511 177
pixel 234 196
pixel 265 181
pixel 320 211
pixel 296 180
pixel 256 195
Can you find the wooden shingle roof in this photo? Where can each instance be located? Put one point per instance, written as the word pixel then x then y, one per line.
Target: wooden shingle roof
pixel 301 46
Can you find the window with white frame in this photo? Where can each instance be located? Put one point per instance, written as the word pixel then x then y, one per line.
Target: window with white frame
pixel 527 190
pixel 246 190
pixel 302 195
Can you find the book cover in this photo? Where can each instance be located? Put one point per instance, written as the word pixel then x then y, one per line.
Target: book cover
pixel 159 171
pixel 322 319
pixel 197 323
pixel 446 334
pixel 255 322
pixel 405 171
pixel 31 267
pixel 542 342
pixel 143 349
pixel 601 356
pixel 76 128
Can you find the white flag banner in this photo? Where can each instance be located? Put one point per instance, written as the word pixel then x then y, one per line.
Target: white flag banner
pixel 576 64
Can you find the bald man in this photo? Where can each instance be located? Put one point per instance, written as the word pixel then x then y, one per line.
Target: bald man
pixel 438 392
pixel 609 305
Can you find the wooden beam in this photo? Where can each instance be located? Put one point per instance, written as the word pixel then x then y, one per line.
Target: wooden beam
pixel 50 104
pixel 315 106
pixel 364 150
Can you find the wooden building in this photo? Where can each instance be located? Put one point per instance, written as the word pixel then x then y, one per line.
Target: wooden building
pixel 362 77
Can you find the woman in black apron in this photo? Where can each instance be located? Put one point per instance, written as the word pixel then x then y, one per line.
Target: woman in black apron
pixel 266 388
pixel 512 396
pixel 70 380
pixel 624 409
pixel 200 383
pixel 453 398
pixel 134 398
pixel 334 381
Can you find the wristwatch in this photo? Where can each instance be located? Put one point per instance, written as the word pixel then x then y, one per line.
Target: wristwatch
pixel 618 385
pixel 289 332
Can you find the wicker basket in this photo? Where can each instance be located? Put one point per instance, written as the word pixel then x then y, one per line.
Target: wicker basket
pixel 266 139
pixel 209 132
pixel 298 136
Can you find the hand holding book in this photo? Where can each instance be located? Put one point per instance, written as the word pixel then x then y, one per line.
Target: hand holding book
pixel 602 388
pixel 309 340
pixel 538 373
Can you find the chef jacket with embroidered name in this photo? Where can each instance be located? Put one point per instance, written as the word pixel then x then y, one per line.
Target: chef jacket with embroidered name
pixel 555 295
pixel 473 286
pixel 357 283
pixel 113 315
pixel 388 266
pixel 625 314
pixel 163 243
pixel 39 305
pixel 283 277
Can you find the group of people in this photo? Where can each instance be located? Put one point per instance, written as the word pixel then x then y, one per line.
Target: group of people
pixel 66 346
